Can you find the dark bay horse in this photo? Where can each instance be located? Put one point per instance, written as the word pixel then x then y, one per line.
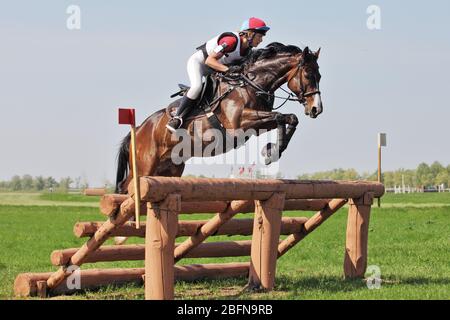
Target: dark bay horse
pixel 247 104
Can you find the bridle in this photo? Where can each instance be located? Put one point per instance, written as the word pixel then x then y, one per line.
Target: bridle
pixel 303 95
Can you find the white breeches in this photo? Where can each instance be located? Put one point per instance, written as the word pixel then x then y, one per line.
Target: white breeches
pixel 196 69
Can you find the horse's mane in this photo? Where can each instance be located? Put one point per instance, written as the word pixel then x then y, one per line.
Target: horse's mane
pixel 271 50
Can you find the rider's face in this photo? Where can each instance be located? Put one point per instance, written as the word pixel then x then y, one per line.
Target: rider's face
pixel 258 38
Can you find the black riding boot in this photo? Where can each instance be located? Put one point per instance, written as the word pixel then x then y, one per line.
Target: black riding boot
pixel 185 106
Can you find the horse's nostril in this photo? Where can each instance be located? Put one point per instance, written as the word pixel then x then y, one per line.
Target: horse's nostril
pixel 314 110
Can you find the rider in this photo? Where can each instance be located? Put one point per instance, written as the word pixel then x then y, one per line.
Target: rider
pixel 217 53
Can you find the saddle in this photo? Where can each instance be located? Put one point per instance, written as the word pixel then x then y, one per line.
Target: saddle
pixel 208 101
pixel 204 102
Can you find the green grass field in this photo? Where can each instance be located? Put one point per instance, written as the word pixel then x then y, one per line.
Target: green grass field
pixel 409 241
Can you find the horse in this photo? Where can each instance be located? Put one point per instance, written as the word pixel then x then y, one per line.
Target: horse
pixel 241 102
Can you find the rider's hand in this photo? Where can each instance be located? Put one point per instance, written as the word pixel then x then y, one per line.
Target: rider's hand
pixel 234 69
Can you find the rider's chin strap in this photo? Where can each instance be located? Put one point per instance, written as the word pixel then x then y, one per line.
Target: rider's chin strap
pixel 250 41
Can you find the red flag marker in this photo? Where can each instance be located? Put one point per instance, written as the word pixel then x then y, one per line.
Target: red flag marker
pixel 128 116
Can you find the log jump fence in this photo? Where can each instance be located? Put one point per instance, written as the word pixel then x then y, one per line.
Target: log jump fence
pixel 165 198
pixel 94 192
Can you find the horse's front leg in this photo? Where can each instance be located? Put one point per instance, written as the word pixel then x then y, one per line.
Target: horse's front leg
pixel 258 120
pixel 272 151
pixel 292 121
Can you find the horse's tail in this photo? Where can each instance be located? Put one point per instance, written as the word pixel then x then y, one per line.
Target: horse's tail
pixel 123 162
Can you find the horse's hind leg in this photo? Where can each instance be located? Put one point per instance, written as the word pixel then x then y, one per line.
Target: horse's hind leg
pixel 167 168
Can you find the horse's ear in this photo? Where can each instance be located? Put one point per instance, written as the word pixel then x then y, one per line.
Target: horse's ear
pixel 305 52
pixel 317 53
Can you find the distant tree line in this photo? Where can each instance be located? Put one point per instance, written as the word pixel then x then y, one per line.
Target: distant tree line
pixel 423 176
pixel 40 183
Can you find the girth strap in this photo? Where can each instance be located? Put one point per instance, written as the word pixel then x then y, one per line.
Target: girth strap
pixel 216 124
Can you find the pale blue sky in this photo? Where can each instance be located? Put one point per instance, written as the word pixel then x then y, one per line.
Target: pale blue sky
pixel 60 89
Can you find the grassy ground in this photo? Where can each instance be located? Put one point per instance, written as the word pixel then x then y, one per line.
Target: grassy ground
pixel 409 242
pixel 48 199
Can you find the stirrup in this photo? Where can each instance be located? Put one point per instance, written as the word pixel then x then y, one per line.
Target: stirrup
pixel 172 129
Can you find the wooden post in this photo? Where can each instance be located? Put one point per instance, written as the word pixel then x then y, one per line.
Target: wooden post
pixel 381 143
pixel 41 289
pixel 265 240
pixel 379 171
pixel 161 229
pixel 355 262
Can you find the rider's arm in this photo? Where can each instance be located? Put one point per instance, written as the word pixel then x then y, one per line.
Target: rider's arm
pixel 213 62
pixel 225 45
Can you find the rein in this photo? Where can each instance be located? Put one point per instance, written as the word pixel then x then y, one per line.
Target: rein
pixel 290 97
pixel 242 79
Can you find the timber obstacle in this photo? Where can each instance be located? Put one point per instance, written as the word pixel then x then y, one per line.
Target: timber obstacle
pixel 94 192
pixel 164 198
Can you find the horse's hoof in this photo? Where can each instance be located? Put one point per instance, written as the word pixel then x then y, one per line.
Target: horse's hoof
pixel 270 153
pixel 264 152
pixel 271 159
pixel 267 150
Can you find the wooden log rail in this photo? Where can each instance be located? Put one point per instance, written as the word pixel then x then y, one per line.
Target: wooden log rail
pixel 110 204
pixel 34 284
pixel 186 228
pixel 156 189
pixel 137 252
pixel 94 192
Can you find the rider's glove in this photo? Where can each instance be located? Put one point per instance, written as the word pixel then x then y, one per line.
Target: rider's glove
pixel 234 69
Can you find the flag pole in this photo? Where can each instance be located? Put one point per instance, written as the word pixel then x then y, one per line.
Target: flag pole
pixel 127 116
pixel 137 192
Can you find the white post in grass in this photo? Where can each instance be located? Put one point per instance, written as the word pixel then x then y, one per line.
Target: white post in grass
pixel 381 143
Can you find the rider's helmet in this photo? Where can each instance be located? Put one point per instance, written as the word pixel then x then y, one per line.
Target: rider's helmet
pixel 254 24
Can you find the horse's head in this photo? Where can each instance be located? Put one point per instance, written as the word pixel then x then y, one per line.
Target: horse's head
pixel 277 64
pixel 303 80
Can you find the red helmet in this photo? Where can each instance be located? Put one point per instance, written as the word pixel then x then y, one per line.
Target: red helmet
pixel 254 24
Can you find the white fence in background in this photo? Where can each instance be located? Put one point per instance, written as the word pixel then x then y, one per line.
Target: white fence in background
pixel 409 189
